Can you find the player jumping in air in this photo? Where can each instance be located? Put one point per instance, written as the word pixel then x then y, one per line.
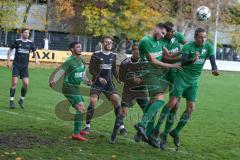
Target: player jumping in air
pixel 194 55
pixel 151 51
pixel 173 42
pixel 130 73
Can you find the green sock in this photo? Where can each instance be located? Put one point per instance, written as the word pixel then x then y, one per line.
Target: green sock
pixel 78 122
pixel 162 117
pixel 150 126
pixel 182 122
pixel 147 107
pixel 153 109
pixel 169 122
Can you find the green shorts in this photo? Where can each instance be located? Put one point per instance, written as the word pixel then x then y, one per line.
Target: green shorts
pixel 72 94
pixel 155 84
pixel 182 87
pixel 170 78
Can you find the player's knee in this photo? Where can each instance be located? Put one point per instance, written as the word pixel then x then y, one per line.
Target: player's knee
pixel 26 86
pixel 124 111
pixel 14 84
pixel 80 108
pixel 175 108
pixel 114 99
pixel 93 100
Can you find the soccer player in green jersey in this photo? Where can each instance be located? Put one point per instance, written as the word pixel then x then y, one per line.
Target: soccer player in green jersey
pixel 151 49
pixel 194 55
pixel 74 72
pixel 173 43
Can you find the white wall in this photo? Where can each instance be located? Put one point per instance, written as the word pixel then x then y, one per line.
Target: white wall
pixel 224 65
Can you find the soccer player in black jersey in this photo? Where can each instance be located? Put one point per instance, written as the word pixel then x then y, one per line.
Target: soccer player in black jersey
pixel 130 72
pixel 103 67
pixel 23 47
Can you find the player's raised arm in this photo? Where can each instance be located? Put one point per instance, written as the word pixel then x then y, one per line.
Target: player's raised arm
pixel 169 57
pixel 151 58
pixel 186 59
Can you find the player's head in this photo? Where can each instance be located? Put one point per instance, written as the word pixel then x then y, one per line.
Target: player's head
pixel 75 48
pixel 107 43
pixel 170 30
pixel 159 31
pixel 25 33
pixel 200 36
pixel 135 51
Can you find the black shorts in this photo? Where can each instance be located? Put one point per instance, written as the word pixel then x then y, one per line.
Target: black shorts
pixel 108 89
pixel 129 95
pixel 21 72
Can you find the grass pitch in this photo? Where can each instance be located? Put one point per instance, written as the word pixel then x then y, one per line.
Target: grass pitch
pixel 36 133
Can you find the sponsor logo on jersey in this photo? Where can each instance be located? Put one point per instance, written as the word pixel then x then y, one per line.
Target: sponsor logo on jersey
pixel 78 75
pixel 173 40
pixel 175 50
pixel 21 50
pixel 157 54
pixel 106 66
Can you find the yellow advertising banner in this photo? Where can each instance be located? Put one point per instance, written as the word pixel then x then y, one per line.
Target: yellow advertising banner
pixel 54 56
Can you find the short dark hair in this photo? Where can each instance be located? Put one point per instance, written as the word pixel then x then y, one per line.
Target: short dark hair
pixel 135 44
pixel 169 26
pixel 24 29
pixel 73 44
pixel 161 26
pixel 106 37
pixel 198 30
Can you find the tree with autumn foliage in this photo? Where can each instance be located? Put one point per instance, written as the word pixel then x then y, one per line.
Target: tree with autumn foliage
pixel 130 18
pixel 8 15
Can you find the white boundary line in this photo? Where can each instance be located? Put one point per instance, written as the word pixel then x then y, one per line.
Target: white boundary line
pixel 21 115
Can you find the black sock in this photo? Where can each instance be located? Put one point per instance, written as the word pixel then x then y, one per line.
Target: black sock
pixel 12 93
pixel 117 110
pixel 23 92
pixel 117 124
pixel 90 112
pixel 142 103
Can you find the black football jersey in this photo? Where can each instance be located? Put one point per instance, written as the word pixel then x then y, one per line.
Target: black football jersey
pixel 22 51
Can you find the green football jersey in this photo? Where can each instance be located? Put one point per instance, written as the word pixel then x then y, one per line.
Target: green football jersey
pixel 149 45
pixel 74 68
pixel 174 45
pixel 193 71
